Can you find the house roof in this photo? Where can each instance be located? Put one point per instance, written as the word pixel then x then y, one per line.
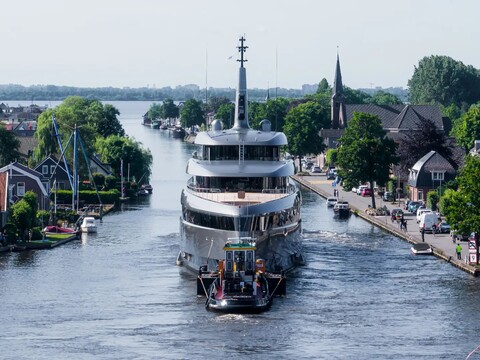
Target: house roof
pixel 401 117
pixel 101 165
pixel 27 143
pixel 53 159
pixel 428 164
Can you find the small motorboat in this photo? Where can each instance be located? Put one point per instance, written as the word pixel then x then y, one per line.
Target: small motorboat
pixel 421 249
pixel 59 232
pixel 88 225
pixel 155 124
pixel 331 201
pixel 342 208
pixel 240 284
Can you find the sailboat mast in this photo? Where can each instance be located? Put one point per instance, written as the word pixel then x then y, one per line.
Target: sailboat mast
pixel 75 168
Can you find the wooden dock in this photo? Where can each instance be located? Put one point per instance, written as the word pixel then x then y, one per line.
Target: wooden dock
pixel 96 211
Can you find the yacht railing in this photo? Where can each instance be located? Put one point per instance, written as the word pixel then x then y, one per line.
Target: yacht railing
pixel 195 188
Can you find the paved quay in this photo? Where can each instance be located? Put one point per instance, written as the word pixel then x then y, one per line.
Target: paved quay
pixel 442 244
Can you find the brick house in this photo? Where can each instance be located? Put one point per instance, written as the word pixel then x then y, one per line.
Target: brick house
pixel 428 173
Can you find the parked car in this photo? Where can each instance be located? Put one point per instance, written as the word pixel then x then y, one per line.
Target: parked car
pixel 331 174
pixel 308 165
pixel 413 206
pixel 388 196
pixel 444 227
pixel 396 213
pixel 360 189
pixel 366 192
pixel 316 169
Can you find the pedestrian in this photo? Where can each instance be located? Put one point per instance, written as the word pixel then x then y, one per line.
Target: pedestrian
pixel 422 231
pixel 404 223
pixel 434 228
pixel 458 250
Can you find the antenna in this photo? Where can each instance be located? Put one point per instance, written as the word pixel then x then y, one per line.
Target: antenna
pixel 206 89
pixel 276 72
pixel 242 49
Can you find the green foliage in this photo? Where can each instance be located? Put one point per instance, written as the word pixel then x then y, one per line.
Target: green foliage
pixel 155 111
pixel 89 196
pixel 466 129
pixel 383 98
pixel 276 111
pixel 226 113
pixel 21 214
pixel 9 146
pixel 302 125
pixel 415 144
pixel 31 198
pixel 114 148
pixel 169 110
pixel 192 113
pixel 99 179
pixel 324 87
pixel 461 208
pixel 352 96
pixel 110 182
pixel 442 80
pixel 364 152
pixel 256 112
pixel 92 118
pixel 331 157
pixel 215 102
pixel 432 199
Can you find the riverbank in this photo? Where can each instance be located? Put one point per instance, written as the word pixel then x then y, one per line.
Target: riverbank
pixel 442 244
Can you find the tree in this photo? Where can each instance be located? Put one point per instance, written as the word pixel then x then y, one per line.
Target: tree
pixel 440 79
pixel 192 113
pixel 155 111
pixel 331 157
pixel 215 102
pixel 21 214
pixel 466 129
pixel 276 111
pixel 9 145
pixel 383 98
pixel 461 208
pixel 114 148
pixel 257 111
pixel 226 113
pixel 107 122
pixel 417 143
pixel 302 126
pixel 324 87
pixel 169 110
pixel 365 153
pixel 352 96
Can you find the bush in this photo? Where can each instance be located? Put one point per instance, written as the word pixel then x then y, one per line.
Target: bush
pixel 110 182
pixel 89 196
pixel 99 179
pixel 37 233
pixel 432 200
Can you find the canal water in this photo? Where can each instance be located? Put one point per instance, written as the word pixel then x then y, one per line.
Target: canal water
pixel 119 295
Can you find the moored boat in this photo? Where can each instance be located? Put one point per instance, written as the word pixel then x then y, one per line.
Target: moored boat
pixel 331 201
pixel 240 186
pixel 59 232
pixel 241 283
pixel 155 124
pixel 88 225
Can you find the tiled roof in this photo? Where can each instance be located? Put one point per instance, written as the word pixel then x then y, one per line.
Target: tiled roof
pixel 402 117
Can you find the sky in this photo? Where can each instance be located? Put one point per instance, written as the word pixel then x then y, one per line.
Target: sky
pixel 158 43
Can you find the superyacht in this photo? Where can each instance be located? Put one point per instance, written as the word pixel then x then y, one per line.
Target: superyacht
pixel 240 187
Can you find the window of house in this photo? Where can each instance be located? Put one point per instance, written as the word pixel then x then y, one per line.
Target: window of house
pixel 52 169
pixel 46 185
pixel 44 169
pixel 20 188
pixel 420 195
pixel 437 175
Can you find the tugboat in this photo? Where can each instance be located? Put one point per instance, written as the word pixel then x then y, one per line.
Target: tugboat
pixel 240 284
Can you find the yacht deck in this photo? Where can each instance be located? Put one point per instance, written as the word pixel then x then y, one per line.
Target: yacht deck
pixel 241 197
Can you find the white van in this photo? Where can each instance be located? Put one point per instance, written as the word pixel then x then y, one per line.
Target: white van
pixel 427 220
pixel 422 211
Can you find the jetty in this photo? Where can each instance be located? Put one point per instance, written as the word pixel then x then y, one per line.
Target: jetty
pixel 442 244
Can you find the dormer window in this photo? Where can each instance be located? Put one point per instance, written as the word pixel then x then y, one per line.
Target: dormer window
pixel 438 175
pixel 44 169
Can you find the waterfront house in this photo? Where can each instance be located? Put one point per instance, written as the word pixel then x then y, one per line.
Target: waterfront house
pixel 3 199
pixel 22 179
pixel 99 167
pixel 429 173
pixel 56 174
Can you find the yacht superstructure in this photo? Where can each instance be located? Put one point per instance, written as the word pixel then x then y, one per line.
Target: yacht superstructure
pixel 240 186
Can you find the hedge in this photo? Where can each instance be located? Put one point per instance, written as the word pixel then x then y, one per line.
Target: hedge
pixel 88 196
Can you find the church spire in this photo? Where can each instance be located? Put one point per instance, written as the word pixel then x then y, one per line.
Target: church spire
pixel 337 101
pixel 337 82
